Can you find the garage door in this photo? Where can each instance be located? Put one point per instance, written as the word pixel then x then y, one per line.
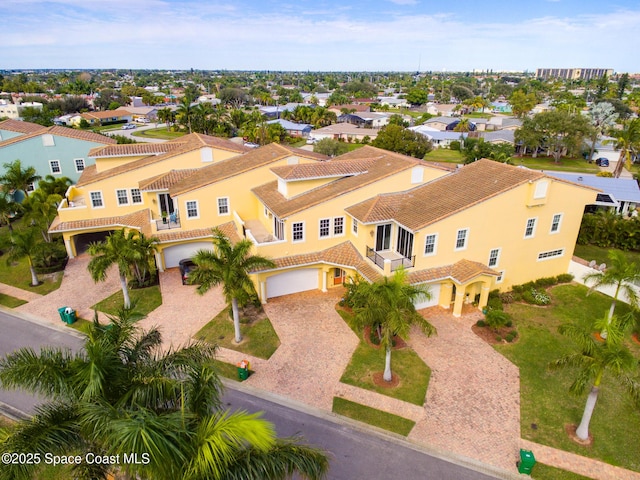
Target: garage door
pixel 172 255
pixel 434 289
pixel 292 282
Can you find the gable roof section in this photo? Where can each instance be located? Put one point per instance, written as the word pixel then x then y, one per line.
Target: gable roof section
pixel 229 229
pixel 330 168
pixel 19 126
pixel 138 220
pixel 61 132
pixel 186 144
pixel 166 180
pixel 461 271
pixel 256 157
pixel 444 196
pixel 132 149
pixel 100 115
pixel 380 167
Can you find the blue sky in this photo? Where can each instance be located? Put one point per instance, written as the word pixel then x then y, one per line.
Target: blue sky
pixel 321 35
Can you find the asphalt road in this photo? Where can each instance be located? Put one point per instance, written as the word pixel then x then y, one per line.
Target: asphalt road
pixel 355 452
pixel 139 127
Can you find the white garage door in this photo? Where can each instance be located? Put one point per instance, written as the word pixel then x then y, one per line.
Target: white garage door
pixel 434 290
pixel 172 255
pixel 292 282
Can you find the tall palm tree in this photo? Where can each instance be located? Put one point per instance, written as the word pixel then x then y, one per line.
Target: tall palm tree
pixel 25 244
pixel 116 249
pixel 51 185
pixel 228 265
pixel 593 359
pixel 388 306
pixel 165 115
pixel 123 394
pixel 620 274
pixel 40 209
pixel 627 141
pixel 184 113
pixel 17 178
pixel 143 263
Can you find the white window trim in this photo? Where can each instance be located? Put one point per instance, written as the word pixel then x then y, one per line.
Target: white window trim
pixel 59 167
pixel 101 199
pixel 31 187
pixel 551 231
pixel 303 232
pixel 435 245
pixel 186 209
pixel 75 164
pixel 500 278
pixel 499 249
pixel 333 226
pixel 533 231
pixel 126 195
pixel 551 254
pixel 141 198
pixel 228 206
pixel 466 240
pixel 328 235
pixel 354 226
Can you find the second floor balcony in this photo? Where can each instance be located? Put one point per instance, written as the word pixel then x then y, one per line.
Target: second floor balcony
pixel 395 259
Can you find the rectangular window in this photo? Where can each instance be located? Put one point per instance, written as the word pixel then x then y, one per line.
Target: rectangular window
pixel 461 239
pixel 551 254
pixel 338 226
pixel 500 277
pixel 54 165
pixel 79 162
pixel 494 256
pixel 31 187
pixel 354 226
pixel 192 209
pixel 325 227
pixel 530 229
pixel 136 196
pixel 430 244
pixel 96 199
pixel 123 199
pixel 555 223
pixel 223 206
pixel 297 231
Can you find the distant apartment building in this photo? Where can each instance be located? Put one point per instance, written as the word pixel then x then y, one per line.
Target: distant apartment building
pixel 574 73
pixel 13 111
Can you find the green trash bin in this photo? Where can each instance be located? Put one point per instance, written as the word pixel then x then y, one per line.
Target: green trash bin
pixel 243 370
pixel 67 314
pixel 527 461
pixel 63 315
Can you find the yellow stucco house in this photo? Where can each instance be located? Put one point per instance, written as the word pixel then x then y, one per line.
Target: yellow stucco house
pixel 462 232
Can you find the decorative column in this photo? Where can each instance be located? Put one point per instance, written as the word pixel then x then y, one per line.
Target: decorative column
pixel 69 248
pixel 459 301
pixel 159 262
pixel 263 292
pixel 323 272
pixel 446 291
pixel 484 295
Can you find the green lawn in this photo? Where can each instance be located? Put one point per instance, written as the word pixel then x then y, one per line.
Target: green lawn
pixel 259 337
pixel 10 302
pixel 145 299
pixel 81 325
pixel 600 254
pixel 372 416
pixel 18 275
pixel 546 405
pixel 367 360
pixel 541 471
pixel 444 155
pixel 579 165
pixel 161 133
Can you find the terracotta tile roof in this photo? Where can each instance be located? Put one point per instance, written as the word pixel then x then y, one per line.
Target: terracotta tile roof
pixel 382 165
pixel 342 255
pixel 138 220
pixel 186 144
pixel 19 126
pixel 443 196
pixel 330 168
pixel 235 166
pixel 124 150
pixel 166 180
pixel 120 112
pixel 229 229
pixel 461 271
pixel 60 132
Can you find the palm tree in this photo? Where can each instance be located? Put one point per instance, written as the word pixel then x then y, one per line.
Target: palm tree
pixel 143 261
pixel 620 274
pixel 593 359
pixel 25 243
pixel 17 178
pixel 185 112
pixel 123 394
pixel 51 185
pixel 116 249
pixel 8 209
pixel 627 141
pixel 463 125
pixel 388 306
pixel 40 209
pixel 166 116
pixel 228 265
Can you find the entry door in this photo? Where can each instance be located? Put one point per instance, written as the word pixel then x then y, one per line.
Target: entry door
pixel 404 245
pixel 383 237
pixel 338 276
pixel 166 203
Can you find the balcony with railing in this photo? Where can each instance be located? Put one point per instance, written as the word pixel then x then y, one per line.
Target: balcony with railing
pixel 169 222
pixel 395 259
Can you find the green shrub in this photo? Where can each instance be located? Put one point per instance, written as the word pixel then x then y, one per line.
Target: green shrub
pixel 545 282
pixel 564 278
pixel 497 318
pixel 454 145
pixel 511 336
pixel 527 297
pixel 481 323
pixel 507 297
pixel 495 303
